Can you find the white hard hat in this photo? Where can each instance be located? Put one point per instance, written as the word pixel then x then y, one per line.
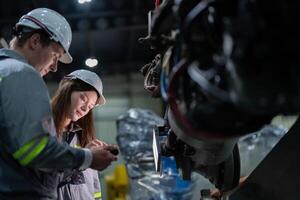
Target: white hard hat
pixel 90 78
pixel 54 24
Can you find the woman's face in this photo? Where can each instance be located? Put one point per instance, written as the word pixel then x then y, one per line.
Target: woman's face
pixel 81 103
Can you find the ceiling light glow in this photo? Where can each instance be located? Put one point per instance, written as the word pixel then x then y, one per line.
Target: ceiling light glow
pixel 91 62
pixel 84 1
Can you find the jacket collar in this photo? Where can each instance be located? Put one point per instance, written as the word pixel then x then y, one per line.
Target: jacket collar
pixel 74 127
pixel 9 53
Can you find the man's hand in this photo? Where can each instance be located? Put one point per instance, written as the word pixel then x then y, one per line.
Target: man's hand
pixel 102 157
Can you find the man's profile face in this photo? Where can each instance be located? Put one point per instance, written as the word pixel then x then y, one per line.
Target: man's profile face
pixel 50 54
pixel 44 57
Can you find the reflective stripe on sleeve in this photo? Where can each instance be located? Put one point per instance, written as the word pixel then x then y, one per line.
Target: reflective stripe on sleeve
pixel 77 146
pixel 97 195
pixel 30 150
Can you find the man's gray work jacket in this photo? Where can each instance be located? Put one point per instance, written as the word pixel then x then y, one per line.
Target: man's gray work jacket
pixel 30 153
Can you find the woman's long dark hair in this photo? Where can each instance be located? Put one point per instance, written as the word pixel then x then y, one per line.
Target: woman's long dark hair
pixel 61 103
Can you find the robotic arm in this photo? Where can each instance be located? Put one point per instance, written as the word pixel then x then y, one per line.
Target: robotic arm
pixel 226 69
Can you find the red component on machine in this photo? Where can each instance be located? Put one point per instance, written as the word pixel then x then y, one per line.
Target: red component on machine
pixel 157 2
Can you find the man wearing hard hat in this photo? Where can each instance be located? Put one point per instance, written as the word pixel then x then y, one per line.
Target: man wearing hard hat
pixel 29 151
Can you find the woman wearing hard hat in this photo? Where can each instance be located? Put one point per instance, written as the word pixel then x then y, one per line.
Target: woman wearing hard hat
pixel 78 93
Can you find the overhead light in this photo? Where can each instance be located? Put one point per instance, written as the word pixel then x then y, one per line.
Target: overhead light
pixel 84 1
pixel 91 62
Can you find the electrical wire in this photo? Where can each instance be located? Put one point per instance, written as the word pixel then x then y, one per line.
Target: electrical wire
pixel 157 3
pixel 192 16
pixel 177 71
pixel 165 70
pixel 163 85
pixel 219 94
pixel 195 13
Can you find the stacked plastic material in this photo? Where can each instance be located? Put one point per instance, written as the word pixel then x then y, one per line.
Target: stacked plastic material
pixel 254 147
pixel 169 185
pixel 134 138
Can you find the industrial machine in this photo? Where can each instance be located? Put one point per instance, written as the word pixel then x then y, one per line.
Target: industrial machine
pixel 224 69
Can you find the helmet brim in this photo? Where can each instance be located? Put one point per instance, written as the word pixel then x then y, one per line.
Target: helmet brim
pixel 101 100
pixel 66 58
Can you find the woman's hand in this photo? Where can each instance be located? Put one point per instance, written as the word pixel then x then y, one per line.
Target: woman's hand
pixel 96 143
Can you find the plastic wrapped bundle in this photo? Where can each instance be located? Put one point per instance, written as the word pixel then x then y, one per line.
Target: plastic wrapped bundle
pixel 167 186
pixel 134 138
pixel 135 129
pixel 254 147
